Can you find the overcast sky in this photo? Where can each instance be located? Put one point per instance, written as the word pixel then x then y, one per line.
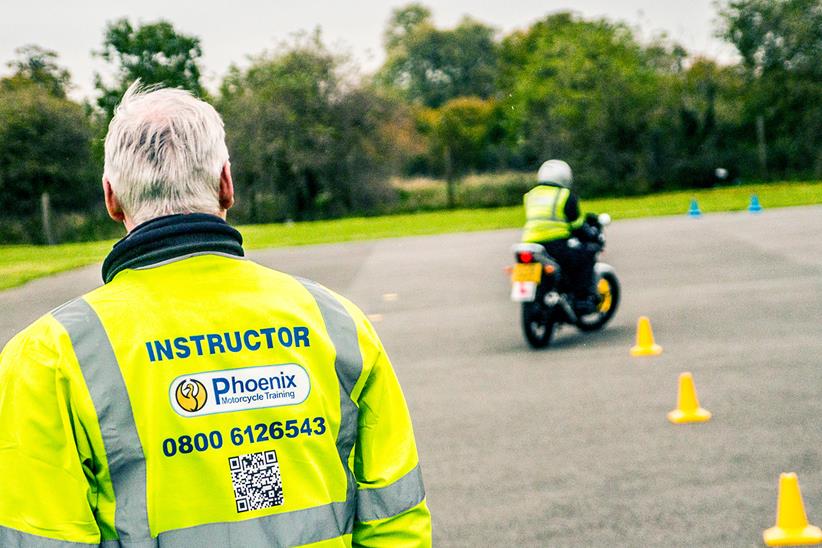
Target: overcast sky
pixel 231 31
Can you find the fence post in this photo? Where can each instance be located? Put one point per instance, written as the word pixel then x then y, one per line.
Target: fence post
pixel 450 180
pixel 45 207
pixel 762 148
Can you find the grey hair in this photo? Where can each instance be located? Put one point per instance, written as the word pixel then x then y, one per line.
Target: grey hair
pixel 164 152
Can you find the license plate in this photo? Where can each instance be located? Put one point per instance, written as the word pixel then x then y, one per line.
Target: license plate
pixel 523 292
pixel 531 272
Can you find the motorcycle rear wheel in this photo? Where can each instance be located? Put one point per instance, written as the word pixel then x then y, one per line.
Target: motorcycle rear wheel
pixel 537 325
pixel 608 288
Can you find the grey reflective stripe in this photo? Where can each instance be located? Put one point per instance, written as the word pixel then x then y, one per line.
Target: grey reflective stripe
pixel 556 201
pixel 348 366
pixel 19 539
pixel 126 461
pixel 391 500
pixel 279 530
pixel 289 529
pixel 343 332
pixel 147 543
pixel 184 257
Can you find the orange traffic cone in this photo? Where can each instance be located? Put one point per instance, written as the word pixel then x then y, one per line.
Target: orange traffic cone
pixel 792 526
pixel 645 345
pixel 687 405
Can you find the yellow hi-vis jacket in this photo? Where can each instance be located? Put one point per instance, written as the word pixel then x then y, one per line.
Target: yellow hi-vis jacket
pixel 545 218
pixel 206 402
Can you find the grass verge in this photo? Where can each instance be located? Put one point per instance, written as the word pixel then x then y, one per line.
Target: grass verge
pixel 21 263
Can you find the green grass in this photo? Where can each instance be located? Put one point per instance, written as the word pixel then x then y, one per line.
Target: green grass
pixel 734 198
pixel 19 264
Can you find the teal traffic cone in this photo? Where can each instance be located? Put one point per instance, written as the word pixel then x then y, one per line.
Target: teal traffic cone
pixel 693 211
pixel 755 206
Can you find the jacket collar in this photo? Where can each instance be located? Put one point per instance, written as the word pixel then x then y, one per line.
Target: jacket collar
pixel 171 237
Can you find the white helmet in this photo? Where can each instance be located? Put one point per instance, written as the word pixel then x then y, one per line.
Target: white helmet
pixel 556 172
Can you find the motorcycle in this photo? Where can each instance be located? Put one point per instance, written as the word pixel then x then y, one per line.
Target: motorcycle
pixel 547 302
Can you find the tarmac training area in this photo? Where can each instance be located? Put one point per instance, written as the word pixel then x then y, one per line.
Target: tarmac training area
pixel 570 446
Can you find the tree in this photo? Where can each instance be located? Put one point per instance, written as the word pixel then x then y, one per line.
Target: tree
pixel 430 66
pixel 304 142
pixel 403 24
pixel 702 119
pixel 460 132
pixel 156 53
pixel 44 148
pixel 775 35
pixel 780 42
pixel 584 91
pixel 39 67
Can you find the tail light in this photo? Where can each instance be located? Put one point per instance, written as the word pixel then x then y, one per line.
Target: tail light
pixel 526 257
pixel 549 269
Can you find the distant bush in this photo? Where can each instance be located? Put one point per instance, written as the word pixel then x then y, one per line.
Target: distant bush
pixel 475 191
pixel 67 228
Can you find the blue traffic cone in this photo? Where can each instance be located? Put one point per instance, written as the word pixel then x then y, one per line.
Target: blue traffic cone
pixel 693 211
pixel 755 206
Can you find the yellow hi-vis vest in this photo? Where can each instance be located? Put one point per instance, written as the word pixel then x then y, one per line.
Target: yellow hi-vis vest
pixel 545 214
pixel 208 401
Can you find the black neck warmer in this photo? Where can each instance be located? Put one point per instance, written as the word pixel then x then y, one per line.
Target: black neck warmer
pixel 171 237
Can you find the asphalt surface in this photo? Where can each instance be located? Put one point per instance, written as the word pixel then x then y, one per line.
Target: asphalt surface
pixel 570 446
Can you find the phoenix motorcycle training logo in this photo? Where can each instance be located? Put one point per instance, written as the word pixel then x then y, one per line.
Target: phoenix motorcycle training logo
pixel 191 395
pixel 240 389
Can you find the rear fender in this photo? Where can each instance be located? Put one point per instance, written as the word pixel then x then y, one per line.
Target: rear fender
pixel 539 254
pixel 537 250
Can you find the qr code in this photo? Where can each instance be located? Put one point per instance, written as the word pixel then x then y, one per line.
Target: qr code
pixel 256 480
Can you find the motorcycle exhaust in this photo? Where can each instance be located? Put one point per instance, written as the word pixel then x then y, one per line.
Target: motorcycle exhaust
pixel 553 298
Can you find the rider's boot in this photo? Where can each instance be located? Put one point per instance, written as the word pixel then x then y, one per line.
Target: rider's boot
pixel 587 303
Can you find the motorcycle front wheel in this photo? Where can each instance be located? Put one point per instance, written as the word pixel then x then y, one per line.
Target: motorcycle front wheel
pixel 608 288
pixel 537 325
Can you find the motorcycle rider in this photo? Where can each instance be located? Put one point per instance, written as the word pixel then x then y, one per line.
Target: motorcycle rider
pixel 553 220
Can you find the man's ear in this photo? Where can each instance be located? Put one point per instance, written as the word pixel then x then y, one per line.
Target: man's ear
pixel 115 210
pixel 226 188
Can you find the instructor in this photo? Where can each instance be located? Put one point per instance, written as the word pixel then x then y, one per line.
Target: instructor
pixel 197 398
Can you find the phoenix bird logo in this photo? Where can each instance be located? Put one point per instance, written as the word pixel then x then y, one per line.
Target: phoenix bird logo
pixel 191 395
